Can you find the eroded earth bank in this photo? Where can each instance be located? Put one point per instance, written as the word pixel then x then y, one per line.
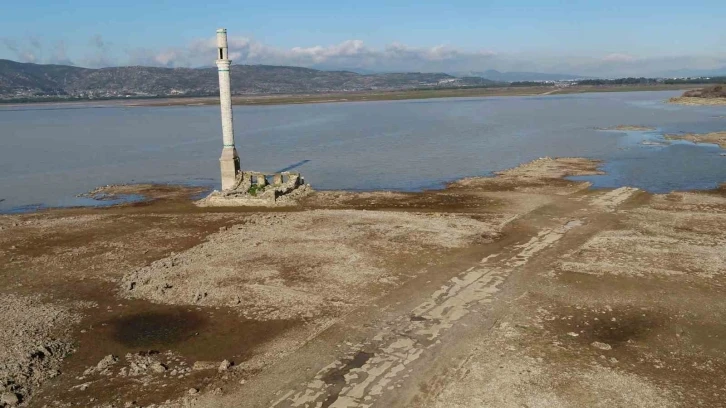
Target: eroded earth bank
pixel 524 289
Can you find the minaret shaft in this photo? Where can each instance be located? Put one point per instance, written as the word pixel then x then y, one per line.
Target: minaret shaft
pixel 229 162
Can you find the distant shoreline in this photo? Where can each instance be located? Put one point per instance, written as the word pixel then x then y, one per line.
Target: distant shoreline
pixel 367 96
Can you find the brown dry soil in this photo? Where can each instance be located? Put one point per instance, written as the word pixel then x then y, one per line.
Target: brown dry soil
pixel 525 289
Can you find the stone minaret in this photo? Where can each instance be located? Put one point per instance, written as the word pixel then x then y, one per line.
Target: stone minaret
pixel 229 161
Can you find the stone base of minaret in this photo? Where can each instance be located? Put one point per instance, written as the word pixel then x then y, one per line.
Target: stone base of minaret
pixel 229 163
pixel 255 189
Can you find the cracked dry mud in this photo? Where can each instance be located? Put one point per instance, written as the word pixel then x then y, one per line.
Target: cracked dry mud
pixel 525 289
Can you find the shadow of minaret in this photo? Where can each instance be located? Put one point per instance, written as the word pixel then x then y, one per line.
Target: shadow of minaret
pixel 292 166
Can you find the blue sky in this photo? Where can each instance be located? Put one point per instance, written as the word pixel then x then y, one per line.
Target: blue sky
pixel 607 38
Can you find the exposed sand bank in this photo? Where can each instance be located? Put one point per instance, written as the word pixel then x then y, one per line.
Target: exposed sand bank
pixel 629 128
pixel 694 101
pixel 520 289
pixel 718 138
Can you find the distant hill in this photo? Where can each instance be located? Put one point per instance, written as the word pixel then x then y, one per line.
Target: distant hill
pixel 34 81
pixel 494 75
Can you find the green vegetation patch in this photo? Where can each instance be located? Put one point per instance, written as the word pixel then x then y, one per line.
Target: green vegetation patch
pixel 255 189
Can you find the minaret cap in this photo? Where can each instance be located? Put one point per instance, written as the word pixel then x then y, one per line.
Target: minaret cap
pixel 222 38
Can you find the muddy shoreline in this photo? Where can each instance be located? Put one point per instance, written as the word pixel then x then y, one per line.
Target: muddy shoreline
pixel 697 101
pixel 365 96
pixel 609 289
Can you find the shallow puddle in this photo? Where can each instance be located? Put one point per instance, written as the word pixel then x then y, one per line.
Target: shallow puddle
pixel 153 329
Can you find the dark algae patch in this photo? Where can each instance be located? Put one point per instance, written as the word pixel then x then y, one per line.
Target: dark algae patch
pixel 199 334
pixel 615 327
pixel 153 329
pixel 177 337
pixel 618 332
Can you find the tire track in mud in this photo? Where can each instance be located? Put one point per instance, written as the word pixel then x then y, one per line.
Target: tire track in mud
pixel 612 199
pixel 380 365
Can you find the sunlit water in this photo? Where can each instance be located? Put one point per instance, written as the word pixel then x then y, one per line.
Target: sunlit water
pixel 50 154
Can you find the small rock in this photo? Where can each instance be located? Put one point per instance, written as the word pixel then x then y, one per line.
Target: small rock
pixel 106 362
pixel 224 366
pixel 573 334
pixel 9 399
pixel 45 351
pixel 204 365
pixel 102 365
pixel 193 391
pixel 197 297
pixel 158 367
pixel 601 346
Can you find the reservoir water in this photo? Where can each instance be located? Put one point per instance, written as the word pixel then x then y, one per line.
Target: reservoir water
pixel 51 153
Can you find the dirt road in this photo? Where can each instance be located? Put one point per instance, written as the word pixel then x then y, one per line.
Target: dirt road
pixel 520 290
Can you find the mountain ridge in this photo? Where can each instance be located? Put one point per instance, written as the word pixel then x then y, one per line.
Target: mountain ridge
pixel 36 81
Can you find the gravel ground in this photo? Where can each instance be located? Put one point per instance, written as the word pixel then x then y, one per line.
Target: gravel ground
pixel 33 341
pixel 302 265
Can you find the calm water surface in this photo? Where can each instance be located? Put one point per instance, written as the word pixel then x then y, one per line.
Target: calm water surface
pixel 50 154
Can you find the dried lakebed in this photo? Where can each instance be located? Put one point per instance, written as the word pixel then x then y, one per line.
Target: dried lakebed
pixel 521 289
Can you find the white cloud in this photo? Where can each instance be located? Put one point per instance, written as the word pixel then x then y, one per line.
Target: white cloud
pixel 354 53
pixel 347 54
pixel 59 55
pixel 99 54
pixel 23 52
